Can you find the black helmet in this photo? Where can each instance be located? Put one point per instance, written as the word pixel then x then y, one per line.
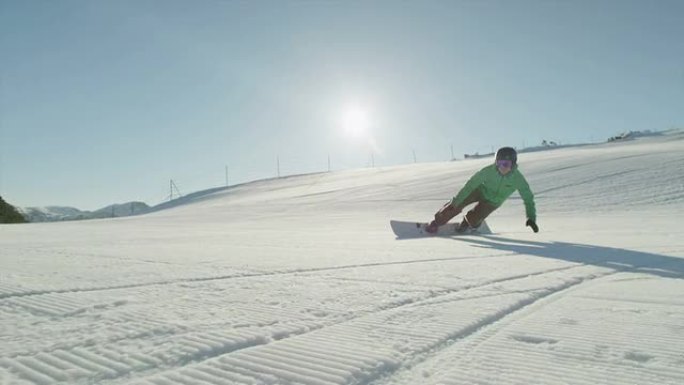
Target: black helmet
pixel 507 153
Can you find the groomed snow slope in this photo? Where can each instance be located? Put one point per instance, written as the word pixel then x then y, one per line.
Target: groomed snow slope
pixel 300 281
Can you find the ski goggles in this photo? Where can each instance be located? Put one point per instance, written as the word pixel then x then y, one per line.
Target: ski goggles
pixel 504 163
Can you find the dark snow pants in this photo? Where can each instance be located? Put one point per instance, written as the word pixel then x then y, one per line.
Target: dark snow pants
pixel 474 217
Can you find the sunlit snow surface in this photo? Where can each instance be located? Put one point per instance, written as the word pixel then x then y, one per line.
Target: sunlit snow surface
pixel 300 281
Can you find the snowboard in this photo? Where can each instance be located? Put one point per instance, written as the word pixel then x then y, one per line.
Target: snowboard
pixel 405 229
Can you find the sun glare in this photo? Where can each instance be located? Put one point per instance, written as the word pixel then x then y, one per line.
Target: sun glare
pixel 355 122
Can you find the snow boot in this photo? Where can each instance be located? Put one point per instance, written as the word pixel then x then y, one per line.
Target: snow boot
pixel 432 227
pixel 463 227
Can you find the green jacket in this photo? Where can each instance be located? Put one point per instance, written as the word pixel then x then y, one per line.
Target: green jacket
pixel 496 188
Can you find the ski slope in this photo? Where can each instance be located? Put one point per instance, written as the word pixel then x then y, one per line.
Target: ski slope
pixel 299 280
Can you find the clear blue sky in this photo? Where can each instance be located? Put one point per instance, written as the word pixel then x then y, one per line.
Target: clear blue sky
pixel 105 101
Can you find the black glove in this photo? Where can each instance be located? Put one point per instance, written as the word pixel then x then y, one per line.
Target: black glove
pixel 533 225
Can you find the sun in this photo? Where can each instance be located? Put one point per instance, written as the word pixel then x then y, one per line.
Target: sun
pixel 355 122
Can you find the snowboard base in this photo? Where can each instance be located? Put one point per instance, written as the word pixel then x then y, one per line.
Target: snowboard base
pixel 405 229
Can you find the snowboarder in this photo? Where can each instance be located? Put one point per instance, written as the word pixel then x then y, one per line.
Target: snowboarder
pixel 489 188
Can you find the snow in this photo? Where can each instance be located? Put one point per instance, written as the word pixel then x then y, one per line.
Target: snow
pixel 300 280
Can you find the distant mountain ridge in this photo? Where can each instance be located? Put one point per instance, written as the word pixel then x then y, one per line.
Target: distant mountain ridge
pixel 62 213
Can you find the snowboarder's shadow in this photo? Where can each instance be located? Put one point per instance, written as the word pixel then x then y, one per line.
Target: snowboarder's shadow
pixel 612 258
